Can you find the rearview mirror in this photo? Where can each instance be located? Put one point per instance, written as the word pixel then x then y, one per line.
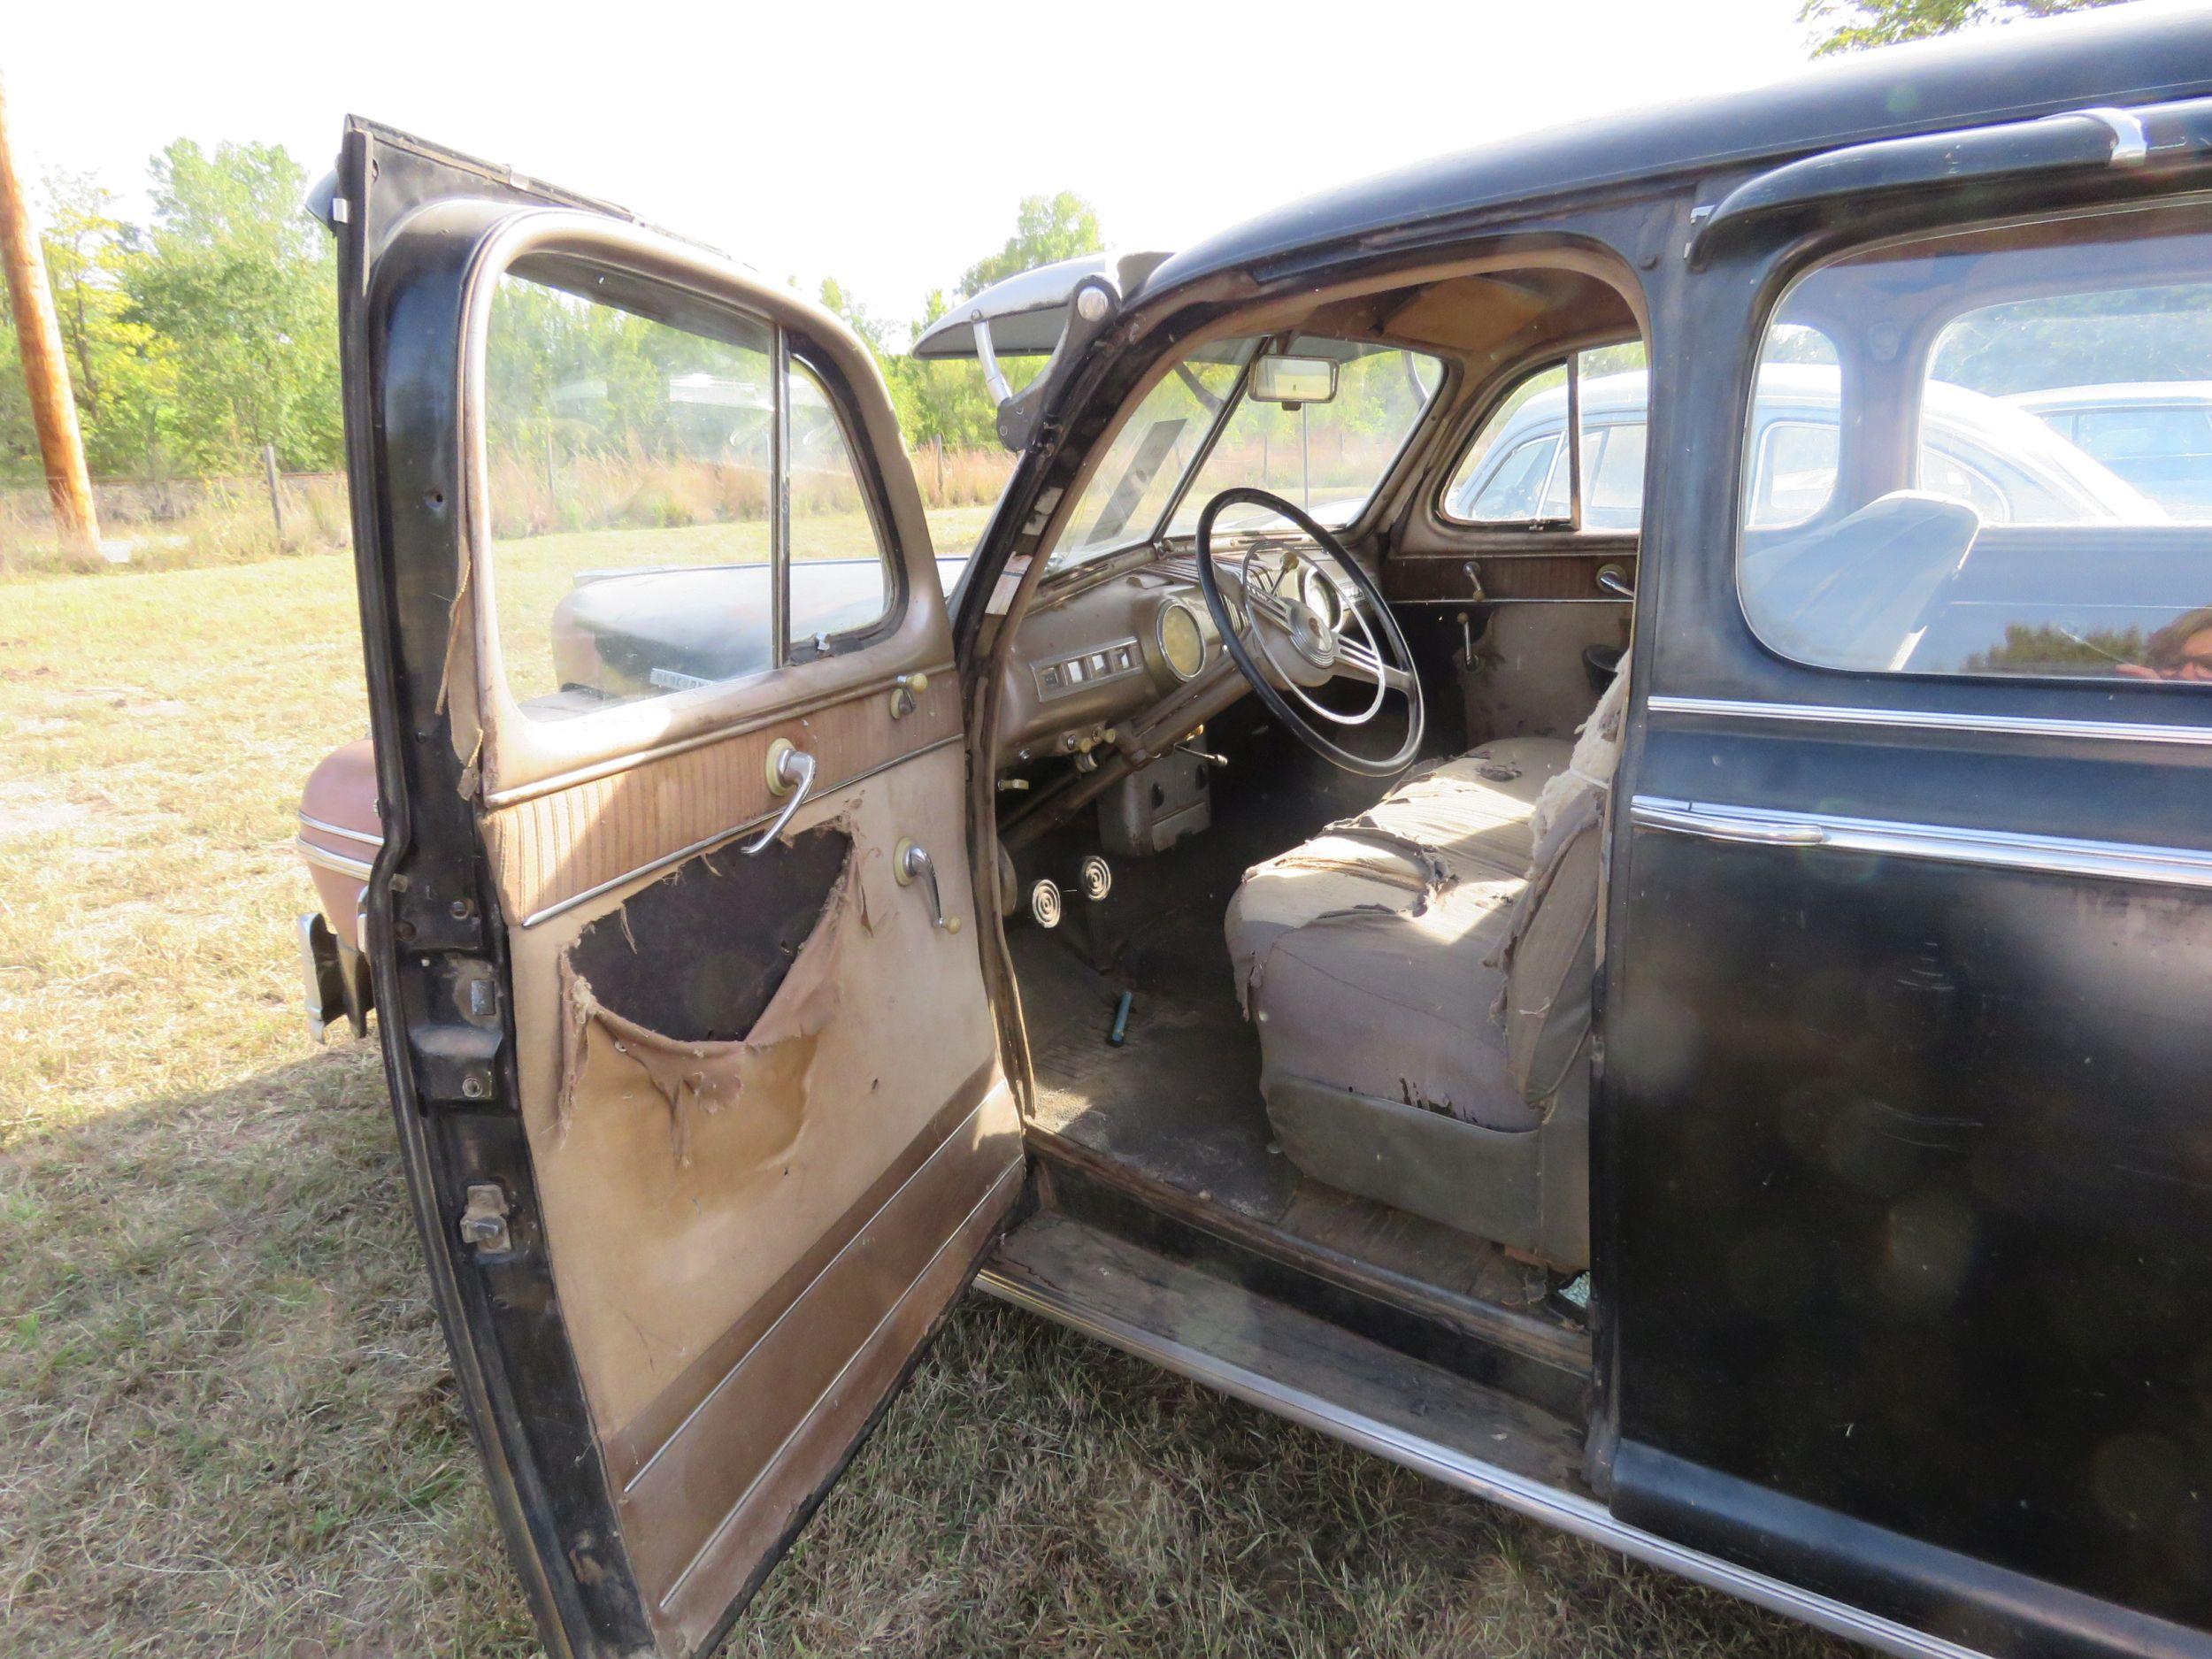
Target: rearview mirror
pixel 1279 380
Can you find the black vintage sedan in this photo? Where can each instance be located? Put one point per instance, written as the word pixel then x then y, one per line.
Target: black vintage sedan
pixel 1679 1006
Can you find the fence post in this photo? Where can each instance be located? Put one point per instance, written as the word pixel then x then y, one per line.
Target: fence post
pixel 276 500
pixel 937 448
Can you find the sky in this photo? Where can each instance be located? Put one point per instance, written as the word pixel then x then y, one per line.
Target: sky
pixel 886 147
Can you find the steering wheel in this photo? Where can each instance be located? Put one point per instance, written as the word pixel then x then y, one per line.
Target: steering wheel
pixel 1309 649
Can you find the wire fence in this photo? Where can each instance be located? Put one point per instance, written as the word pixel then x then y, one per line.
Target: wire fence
pixel 165 523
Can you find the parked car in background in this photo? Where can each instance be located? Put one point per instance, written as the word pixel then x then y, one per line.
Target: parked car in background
pixel 2157 434
pixel 1977 449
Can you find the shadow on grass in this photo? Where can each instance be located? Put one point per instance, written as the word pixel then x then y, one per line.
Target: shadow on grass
pixel 229 1429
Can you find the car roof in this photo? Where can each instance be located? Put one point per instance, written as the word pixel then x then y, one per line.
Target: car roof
pixel 2125 56
pixel 2114 395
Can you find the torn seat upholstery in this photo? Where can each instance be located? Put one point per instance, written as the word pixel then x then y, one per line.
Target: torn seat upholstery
pixel 1420 978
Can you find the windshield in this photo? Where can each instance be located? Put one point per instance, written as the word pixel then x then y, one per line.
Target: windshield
pixel 1326 457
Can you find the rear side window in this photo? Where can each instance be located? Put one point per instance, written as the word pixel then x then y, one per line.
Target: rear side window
pixel 1990 453
pixel 631 465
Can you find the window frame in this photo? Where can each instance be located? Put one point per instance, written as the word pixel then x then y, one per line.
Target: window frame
pixel 790 349
pixel 1781 274
pixel 1555 355
pixel 520 757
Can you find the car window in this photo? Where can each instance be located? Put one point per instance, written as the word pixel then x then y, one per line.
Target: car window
pixel 1328 457
pixel 1516 486
pixel 831 523
pixel 1519 469
pixel 629 471
pixel 2141 434
pixel 1156 445
pixel 1911 512
pixel 1615 458
pixel 1796 471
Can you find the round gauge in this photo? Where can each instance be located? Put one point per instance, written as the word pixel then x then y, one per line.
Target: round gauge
pixel 1182 642
pixel 1322 597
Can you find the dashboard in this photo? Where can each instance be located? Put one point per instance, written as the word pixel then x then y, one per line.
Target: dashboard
pixel 1101 654
pixel 1107 650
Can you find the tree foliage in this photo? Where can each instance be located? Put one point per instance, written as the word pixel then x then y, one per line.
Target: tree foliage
pixel 211 330
pixel 1047 229
pixel 945 401
pixel 243 283
pixel 195 340
pixel 1850 26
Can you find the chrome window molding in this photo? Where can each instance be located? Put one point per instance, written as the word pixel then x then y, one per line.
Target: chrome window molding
pixel 2056 854
pixel 1569 1512
pixel 1932 720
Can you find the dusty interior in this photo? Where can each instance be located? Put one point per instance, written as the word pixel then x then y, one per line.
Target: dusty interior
pixel 1179 1107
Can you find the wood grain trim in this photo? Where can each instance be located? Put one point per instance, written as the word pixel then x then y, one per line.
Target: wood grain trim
pixel 1505 576
pixel 550 848
pixel 881 683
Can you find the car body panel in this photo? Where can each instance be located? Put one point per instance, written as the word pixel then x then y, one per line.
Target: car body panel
pixel 671 1319
pixel 633 632
pixel 2156 434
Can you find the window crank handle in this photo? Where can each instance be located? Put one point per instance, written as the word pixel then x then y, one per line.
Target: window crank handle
pixel 911 863
pixel 790 772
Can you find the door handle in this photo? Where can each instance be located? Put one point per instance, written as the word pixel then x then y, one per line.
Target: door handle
pixel 1718 826
pixel 790 772
pixel 911 863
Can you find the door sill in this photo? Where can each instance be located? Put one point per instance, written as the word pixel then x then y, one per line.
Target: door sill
pixel 1431 1420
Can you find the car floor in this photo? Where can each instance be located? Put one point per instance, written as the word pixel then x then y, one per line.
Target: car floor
pixel 1176 1109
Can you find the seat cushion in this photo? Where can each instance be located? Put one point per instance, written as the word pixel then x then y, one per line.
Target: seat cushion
pixel 1461 824
pixel 1372 956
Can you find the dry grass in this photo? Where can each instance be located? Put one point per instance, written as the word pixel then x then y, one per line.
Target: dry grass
pixel 192 523
pixel 181 525
pixel 226 1422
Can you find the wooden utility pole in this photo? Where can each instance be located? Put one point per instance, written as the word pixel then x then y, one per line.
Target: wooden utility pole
pixel 45 370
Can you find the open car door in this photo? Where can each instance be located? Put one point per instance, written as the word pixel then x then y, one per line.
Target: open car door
pixel 696 1076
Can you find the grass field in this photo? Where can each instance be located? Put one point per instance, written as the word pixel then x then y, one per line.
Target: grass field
pixel 225 1422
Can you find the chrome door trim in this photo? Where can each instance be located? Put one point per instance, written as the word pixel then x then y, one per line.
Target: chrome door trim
pixel 1657 812
pixel 2006 849
pixel 1931 720
pixel 366 837
pixel 707 841
pixel 1569 1512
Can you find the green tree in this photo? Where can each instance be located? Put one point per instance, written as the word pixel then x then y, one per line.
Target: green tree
pixel 122 370
pixel 243 284
pixel 1047 229
pixel 944 401
pixel 1850 26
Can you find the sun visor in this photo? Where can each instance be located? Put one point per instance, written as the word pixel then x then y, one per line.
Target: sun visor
pixel 1026 311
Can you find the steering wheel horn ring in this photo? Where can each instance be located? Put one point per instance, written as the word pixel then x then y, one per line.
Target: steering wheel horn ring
pixel 1321 645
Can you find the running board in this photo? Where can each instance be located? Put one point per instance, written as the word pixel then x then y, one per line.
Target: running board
pixel 1428 1419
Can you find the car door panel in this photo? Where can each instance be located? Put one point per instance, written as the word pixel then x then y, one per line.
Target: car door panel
pixel 1904 1182
pixel 702 1140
